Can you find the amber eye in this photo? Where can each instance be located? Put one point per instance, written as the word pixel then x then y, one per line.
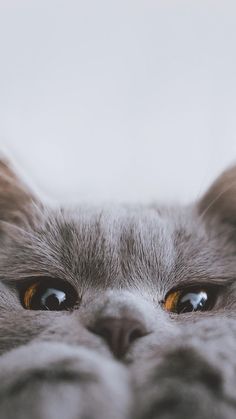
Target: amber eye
pixel 183 301
pixel 49 295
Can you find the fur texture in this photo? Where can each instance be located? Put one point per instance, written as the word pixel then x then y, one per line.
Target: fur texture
pixel 122 262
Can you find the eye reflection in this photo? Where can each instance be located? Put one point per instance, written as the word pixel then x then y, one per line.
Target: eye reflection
pixel 190 300
pixel 196 300
pixel 52 295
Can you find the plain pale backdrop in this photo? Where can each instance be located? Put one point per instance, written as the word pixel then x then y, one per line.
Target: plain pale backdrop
pixel 118 100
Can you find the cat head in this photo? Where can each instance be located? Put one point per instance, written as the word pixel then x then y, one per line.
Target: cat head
pixel 116 279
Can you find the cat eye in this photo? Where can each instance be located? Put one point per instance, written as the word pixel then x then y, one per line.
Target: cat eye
pixel 49 295
pixel 189 300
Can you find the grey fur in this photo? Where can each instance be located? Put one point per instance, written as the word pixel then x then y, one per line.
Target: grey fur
pixel 122 262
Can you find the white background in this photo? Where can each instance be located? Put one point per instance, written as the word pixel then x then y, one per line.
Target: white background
pixel 118 100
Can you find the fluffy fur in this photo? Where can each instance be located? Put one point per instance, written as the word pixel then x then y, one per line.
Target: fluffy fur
pixel 122 262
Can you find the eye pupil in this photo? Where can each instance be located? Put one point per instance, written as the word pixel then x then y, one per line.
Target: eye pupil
pixel 193 299
pixel 49 294
pixel 53 299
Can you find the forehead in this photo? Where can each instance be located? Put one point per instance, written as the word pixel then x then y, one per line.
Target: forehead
pixel 141 247
pixel 125 244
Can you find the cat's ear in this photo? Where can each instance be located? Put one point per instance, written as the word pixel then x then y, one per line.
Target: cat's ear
pixel 16 199
pixel 220 199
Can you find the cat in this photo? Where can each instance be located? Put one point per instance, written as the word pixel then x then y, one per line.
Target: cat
pixel 124 312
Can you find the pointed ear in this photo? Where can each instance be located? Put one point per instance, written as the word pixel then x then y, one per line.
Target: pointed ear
pixel 220 199
pixel 16 200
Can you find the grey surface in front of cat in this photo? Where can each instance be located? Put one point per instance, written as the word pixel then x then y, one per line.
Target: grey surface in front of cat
pixel 122 262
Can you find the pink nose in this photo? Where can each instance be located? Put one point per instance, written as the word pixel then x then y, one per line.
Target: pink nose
pixel 119 333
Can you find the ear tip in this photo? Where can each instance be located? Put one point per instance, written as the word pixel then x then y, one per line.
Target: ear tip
pixel 220 197
pixel 230 172
pixel 4 159
pixel 6 166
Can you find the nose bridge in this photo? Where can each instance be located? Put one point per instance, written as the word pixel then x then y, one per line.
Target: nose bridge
pixel 122 304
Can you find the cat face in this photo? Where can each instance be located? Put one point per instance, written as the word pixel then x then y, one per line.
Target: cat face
pixel 120 280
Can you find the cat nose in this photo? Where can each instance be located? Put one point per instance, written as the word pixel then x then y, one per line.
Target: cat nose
pixel 119 333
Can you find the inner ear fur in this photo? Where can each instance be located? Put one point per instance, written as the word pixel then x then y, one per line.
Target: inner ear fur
pixel 220 199
pixel 16 199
